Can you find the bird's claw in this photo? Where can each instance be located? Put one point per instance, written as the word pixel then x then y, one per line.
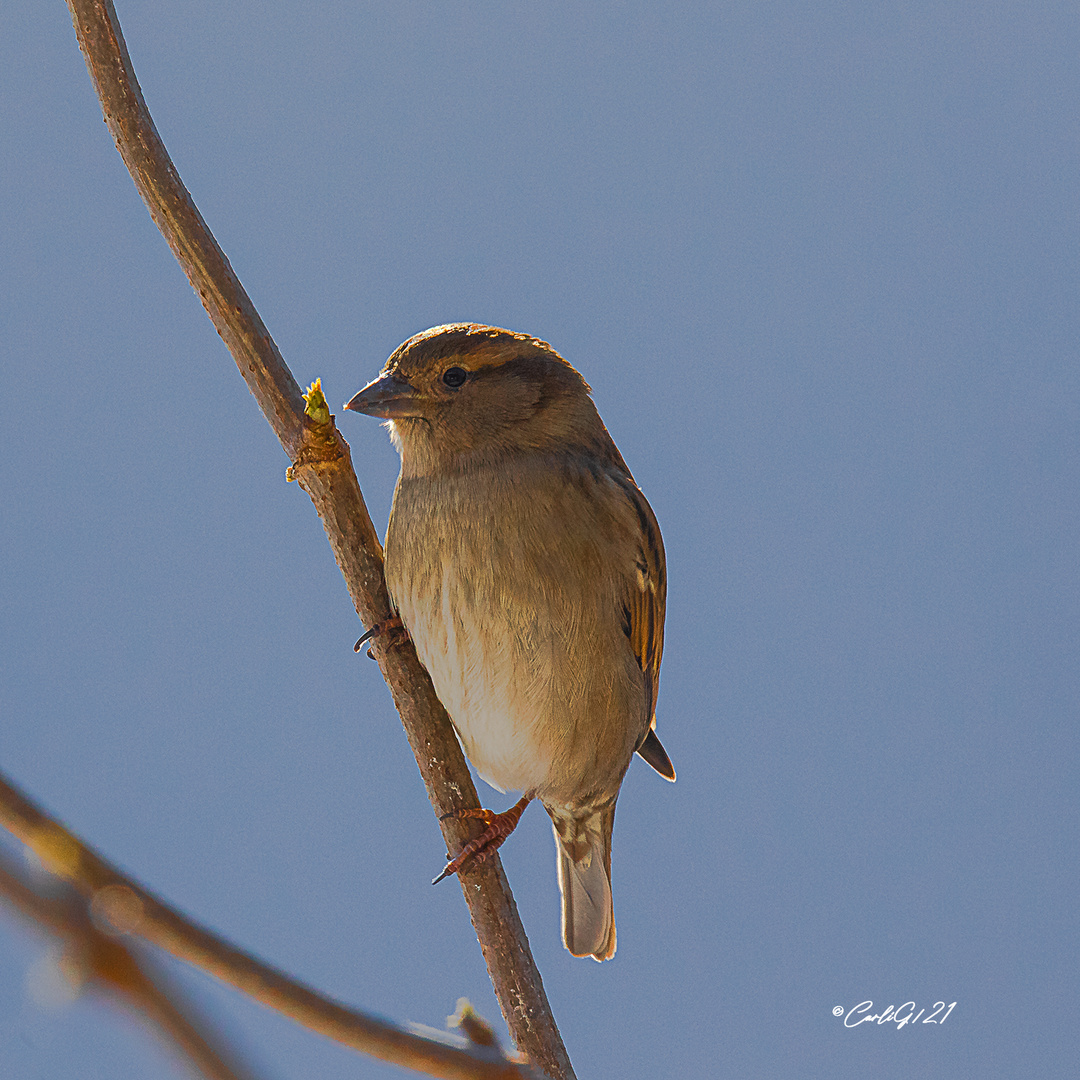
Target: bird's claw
pixel 392 628
pixel 499 827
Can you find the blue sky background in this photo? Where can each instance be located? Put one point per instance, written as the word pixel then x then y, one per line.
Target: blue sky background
pixel 819 262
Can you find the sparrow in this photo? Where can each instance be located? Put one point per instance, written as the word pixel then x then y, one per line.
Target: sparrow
pixel 528 569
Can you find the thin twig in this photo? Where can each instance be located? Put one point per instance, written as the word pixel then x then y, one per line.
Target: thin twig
pixel 322 465
pixel 122 904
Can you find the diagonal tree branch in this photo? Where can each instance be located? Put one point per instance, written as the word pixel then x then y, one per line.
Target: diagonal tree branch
pixel 115 901
pixel 114 969
pixel 322 465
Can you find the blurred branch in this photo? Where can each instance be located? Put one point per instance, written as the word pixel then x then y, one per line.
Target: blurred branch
pixel 119 903
pixel 114 969
pixel 322 465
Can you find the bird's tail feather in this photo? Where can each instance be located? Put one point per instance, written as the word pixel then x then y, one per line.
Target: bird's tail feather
pixel 584 860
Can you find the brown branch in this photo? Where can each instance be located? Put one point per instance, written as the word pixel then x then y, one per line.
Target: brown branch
pixel 113 968
pixel 322 466
pixel 122 904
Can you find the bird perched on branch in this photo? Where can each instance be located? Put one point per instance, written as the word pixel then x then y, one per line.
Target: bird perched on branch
pixel 528 569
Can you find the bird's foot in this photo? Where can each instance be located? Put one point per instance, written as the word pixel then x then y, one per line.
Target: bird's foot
pixel 392 629
pixel 499 827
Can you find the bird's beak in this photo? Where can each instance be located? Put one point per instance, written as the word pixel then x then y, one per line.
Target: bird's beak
pixel 389 397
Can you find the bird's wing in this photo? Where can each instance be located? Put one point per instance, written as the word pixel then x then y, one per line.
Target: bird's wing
pixel 644 612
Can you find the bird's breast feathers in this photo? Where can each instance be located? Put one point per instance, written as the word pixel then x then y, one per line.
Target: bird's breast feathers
pixel 511 584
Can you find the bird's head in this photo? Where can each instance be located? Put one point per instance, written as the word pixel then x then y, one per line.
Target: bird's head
pixel 464 395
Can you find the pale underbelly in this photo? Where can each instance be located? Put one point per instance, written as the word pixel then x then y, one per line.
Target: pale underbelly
pixel 500 699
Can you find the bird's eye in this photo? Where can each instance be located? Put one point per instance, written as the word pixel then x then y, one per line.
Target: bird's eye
pixel 454 377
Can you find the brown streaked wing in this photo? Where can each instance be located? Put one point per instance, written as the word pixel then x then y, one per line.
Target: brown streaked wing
pixel 646 601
